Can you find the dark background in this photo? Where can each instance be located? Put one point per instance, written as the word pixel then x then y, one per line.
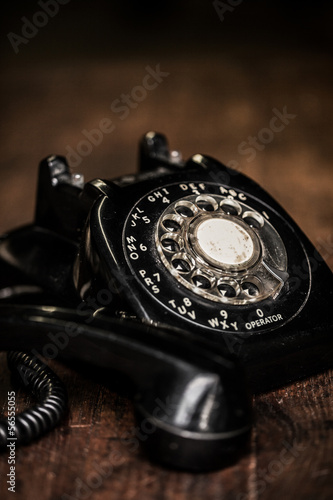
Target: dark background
pixel 225 79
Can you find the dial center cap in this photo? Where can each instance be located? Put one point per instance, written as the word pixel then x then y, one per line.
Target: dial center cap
pixel 224 242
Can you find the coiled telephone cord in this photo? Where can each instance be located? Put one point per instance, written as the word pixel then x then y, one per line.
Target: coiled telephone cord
pixel 49 392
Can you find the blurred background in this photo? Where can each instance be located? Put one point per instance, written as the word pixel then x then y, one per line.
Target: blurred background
pixel 248 82
pixel 219 72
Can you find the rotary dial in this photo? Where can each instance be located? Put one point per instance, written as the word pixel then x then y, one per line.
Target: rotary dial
pixel 221 249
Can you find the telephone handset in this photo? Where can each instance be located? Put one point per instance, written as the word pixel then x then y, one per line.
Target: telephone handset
pixel 184 277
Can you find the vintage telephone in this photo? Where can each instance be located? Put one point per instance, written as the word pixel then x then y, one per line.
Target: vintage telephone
pixel 187 277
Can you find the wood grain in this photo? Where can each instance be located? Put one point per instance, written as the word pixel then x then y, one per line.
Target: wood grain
pixel 208 104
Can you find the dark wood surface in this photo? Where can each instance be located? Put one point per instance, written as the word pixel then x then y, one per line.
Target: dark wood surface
pixel 209 103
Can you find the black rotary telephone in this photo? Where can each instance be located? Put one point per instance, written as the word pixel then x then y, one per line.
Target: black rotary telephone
pixel 187 277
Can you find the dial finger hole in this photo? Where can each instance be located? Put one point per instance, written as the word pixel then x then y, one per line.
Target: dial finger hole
pixel 201 281
pixel 206 203
pixel 172 223
pixel 251 289
pixel 253 219
pixel 186 208
pixel 227 290
pixel 171 242
pixel 231 207
pixel 182 263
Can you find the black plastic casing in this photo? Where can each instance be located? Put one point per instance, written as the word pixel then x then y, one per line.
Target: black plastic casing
pixel 303 345
pixel 71 272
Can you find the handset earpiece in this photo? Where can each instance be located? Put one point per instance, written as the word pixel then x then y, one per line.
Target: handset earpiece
pixel 197 411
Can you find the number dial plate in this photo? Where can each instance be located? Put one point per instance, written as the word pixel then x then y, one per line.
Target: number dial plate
pixel 221 249
pixel 194 282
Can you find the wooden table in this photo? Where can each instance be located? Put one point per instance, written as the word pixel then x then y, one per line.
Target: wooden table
pixel 210 104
